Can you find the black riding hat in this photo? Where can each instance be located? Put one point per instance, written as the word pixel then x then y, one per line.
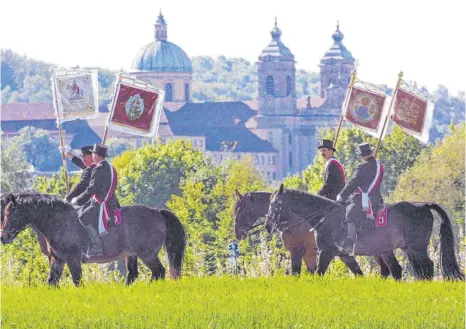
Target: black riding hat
pixel 365 149
pixel 328 144
pixel 86 150
pixel 100 150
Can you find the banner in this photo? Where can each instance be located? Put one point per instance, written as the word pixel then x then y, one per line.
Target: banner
pixel 136 107
pixel 412 112
pixel 75 93
pixel 365 107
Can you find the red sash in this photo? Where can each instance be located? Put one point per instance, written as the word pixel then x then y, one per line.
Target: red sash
pixel 365 195
pixel 339 166
pixel 104 214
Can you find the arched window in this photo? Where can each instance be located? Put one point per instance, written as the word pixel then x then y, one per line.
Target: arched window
pixel 288 85
pixel 290 160
pixel 168 92
pixel 186 92
pixel 269 85
pixel 290 139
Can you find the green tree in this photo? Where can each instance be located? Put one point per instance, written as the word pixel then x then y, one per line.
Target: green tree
pixel 116 146
pixel 15 170
pixel 152 173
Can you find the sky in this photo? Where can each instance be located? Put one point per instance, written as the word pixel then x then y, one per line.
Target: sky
pixel 425 39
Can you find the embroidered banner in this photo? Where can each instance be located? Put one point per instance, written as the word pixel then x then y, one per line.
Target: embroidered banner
pixel 75 94
pixel 136 107
pixel 412 112
pixel 365 108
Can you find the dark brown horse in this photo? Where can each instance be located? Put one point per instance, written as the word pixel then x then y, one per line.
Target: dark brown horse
pixel 409 228
pixel 299 241
pixel 141 234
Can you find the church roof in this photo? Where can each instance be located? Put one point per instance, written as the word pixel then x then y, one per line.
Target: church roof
pixel 161 55
pixel 338 51
pixel 218 122
pixel 276 49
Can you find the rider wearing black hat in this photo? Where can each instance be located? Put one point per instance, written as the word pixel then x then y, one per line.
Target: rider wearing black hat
pixel 86 163
pixel 334 177
pixel 363 190
pixel 98 201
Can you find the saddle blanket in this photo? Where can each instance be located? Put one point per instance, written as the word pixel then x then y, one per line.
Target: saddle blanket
pixel 381 219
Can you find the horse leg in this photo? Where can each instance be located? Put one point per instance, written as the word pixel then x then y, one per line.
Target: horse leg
pixel 352 264
pixel 56 270
pixel 74 264
pixel 393 265
pixel 296 260
pixel 384 270
pixel 131 269
pixel 325 257
pixel 422 265
pixel 152 261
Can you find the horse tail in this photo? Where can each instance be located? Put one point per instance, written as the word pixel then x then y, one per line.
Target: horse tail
pixel 450 268
pixel 175 242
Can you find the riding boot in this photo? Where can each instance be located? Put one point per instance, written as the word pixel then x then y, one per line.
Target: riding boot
pixel 347 243
pixel 96 249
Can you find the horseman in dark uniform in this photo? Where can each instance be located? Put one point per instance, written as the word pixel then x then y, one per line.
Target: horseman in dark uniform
pixel 98 202
pixel 363 191
pixel 87 164
pixel 334 178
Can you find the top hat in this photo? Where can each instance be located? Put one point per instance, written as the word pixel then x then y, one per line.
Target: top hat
pixel 365 149
pixel 100 150
pixel 328 144
pixel 86 150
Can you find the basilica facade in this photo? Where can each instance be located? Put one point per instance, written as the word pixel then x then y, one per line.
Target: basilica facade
pixel 279 131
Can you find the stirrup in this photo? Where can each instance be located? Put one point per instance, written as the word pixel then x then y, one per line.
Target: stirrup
pixel 341 248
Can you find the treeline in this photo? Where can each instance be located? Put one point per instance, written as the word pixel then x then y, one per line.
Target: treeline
pixel 202 195
pixel 214 79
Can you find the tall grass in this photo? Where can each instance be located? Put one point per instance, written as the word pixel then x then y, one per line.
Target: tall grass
pixel 226 302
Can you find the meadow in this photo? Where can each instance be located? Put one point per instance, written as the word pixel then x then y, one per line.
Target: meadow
pixel 234 302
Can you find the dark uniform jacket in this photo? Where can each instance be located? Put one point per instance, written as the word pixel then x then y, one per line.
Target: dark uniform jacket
pixel 334 180
pixel 83 181
pixel 363 177
pixel 100 182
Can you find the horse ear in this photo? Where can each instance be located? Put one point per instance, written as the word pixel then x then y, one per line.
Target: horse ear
pixel 239 195
pixel 281 188
pixel 11 198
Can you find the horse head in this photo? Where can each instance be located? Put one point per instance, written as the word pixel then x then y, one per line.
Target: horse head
pixel 11 221
pixel 276 211
pixel 245 214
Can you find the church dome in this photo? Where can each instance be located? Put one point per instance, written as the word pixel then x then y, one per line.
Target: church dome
pixel 162 55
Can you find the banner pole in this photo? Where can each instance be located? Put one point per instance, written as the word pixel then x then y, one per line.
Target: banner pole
pixel 105 135
pixel 400 76
pixel 353 79
pixel 63 157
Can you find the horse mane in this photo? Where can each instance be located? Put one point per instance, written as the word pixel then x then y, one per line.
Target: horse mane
pixel 39 199
pixel 303 196
pixel 261 195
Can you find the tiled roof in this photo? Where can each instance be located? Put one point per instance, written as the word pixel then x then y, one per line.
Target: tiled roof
pixel 27 111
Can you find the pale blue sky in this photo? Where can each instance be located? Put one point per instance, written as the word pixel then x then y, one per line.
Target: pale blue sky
pixel 425 39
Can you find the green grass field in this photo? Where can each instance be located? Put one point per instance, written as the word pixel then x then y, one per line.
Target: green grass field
pixel 278 302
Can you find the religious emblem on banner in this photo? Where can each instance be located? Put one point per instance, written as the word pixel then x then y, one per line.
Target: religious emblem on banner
pixel 75 94
pixel 136 107
pixel 365 108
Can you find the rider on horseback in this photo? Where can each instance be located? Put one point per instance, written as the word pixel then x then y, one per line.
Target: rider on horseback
pixel 98 201
pixel 334 178
pixel 87 164
pixel 363 191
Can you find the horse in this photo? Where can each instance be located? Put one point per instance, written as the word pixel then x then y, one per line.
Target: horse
pixel 409 228
pixel 141 234
pixel 300 242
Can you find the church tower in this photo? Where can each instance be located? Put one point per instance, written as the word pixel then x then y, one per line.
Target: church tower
pixel 335 70
pixel 277 75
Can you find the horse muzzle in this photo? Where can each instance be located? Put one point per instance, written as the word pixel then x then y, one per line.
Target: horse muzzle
pixel 6 238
